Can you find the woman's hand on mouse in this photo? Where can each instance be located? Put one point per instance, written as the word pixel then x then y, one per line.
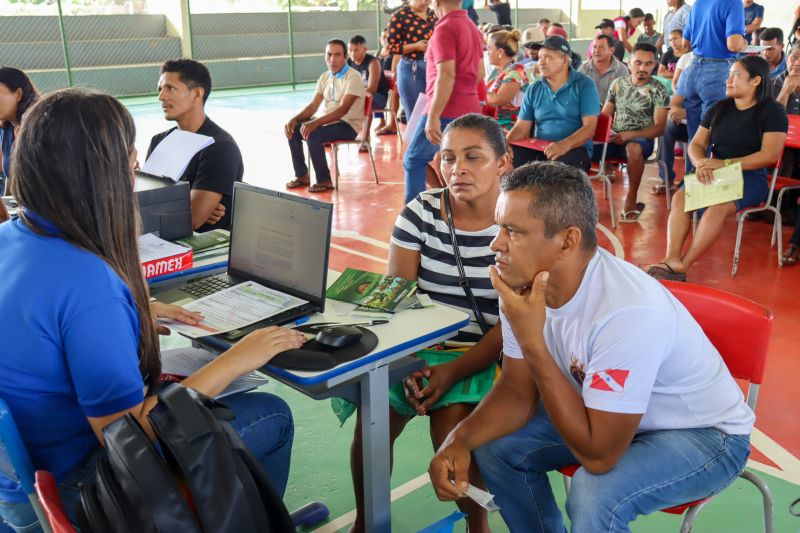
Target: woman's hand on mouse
pixel 259 347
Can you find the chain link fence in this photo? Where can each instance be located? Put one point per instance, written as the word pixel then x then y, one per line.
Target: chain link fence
pixel 118 45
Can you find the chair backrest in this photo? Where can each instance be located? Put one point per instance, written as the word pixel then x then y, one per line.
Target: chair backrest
pixel 366 124
pixel 14 459
pixel 602 132
pixel 738 327
pixel 793 135
pixel 391 79
pixel 47 490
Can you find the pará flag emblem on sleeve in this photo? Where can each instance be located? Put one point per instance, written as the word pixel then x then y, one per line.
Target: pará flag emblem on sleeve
pixel 611 380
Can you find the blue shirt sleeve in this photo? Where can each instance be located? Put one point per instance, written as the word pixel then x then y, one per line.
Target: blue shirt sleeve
pixel 101 347
pixel 527 111
pixel 589 99
pixel 734 22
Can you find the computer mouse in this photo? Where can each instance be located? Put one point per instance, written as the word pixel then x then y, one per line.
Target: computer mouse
pixel 339 336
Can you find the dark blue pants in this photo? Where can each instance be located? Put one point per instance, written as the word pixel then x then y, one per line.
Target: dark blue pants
pixel 338 131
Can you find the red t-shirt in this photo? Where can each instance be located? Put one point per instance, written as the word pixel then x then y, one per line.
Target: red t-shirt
pixel 455 37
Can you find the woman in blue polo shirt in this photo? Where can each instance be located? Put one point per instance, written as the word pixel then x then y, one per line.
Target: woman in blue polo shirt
pixel 80 347
pixel 17 94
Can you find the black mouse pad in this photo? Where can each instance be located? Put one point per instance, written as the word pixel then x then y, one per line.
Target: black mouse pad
pixel 316 356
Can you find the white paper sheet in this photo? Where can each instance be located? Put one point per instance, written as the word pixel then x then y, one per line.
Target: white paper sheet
pixel 234 308
pixel 173 153
pixel 754 48
pixel 152 248
pixel 481 497
pixel 183 362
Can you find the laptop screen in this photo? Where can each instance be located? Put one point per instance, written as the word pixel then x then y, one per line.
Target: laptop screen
pixel 281 240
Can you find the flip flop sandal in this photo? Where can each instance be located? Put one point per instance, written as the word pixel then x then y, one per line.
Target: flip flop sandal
pixel 386 132
pixel 320 187
pixel 629 217
pixel 296 184
pixel 791 256
pixel 665 272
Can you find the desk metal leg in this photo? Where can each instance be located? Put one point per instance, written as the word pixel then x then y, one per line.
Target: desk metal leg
pixel 375 438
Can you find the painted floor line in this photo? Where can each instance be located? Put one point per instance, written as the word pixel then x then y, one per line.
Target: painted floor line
pixel 356 236
pixel 618 250
pixel 788 465
pixel 360 254
pixel 348 518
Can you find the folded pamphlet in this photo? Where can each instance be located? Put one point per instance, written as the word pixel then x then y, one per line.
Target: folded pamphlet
pixel 387 294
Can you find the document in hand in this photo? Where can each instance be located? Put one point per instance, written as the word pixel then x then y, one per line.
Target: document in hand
pixel 179 363
pixel 172 155
pixel 728 185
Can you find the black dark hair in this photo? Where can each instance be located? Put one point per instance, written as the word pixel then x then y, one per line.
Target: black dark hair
pixel 14 79
pixel 649 16
pixel 644 47
pixel 679 31
pixel 770 34
pixel 358 39
pixel 557 25
pixel 755 66
pixel 193 73
pixel 561 197
pixel 338 42
pixel 487 126
pixel 544 19
pixel 71 165
pixel 604 37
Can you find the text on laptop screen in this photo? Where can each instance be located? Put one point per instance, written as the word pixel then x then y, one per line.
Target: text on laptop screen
pixel 280 238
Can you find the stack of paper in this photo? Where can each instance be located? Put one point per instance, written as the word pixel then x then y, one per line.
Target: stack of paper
pixel 172 155
pixel 161 257
pixel 180 363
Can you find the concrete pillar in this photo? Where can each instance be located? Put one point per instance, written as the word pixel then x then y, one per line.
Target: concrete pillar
pixel 179 23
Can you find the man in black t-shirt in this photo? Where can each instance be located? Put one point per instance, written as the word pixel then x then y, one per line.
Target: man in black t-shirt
pixel 371 72
pixel 183 88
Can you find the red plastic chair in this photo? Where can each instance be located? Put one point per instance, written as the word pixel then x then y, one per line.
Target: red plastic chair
pixel 777 225
pixel 48 493
pixel 783 183
pixel 363 137
pixel 740 330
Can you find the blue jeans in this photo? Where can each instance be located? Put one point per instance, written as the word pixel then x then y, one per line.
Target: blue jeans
pixel 673 133
pixel 410 83
pixel 703 87
pixel 263 421
pixel 660 469
pixel 620 151
pixel 338 131
pixel 419 153
pixel 379 102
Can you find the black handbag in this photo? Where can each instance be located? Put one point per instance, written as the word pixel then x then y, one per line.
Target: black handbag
pixel 197 477
pixel 463 282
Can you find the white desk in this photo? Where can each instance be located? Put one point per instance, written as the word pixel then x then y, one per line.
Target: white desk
pixel 366 381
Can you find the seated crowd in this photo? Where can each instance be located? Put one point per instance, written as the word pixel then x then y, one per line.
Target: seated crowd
pixel 547 305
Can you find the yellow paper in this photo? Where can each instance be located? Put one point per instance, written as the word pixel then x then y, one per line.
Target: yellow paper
pixel 728 185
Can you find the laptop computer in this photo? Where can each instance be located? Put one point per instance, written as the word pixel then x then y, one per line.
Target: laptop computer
pixel 278 240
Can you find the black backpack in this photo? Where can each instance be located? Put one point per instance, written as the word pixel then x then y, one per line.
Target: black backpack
pixel 198 478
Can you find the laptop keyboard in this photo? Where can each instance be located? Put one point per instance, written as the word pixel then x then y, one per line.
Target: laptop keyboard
pixel 207 286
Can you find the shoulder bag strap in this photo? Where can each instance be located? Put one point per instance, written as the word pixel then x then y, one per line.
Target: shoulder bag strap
pixel 462 276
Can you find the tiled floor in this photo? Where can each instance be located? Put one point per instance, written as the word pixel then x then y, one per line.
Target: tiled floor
pixel 363 219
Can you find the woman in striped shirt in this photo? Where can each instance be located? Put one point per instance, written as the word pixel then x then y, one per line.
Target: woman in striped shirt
pixel 474 156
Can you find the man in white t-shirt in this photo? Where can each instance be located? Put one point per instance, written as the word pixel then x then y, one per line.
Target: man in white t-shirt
pixel 602 367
